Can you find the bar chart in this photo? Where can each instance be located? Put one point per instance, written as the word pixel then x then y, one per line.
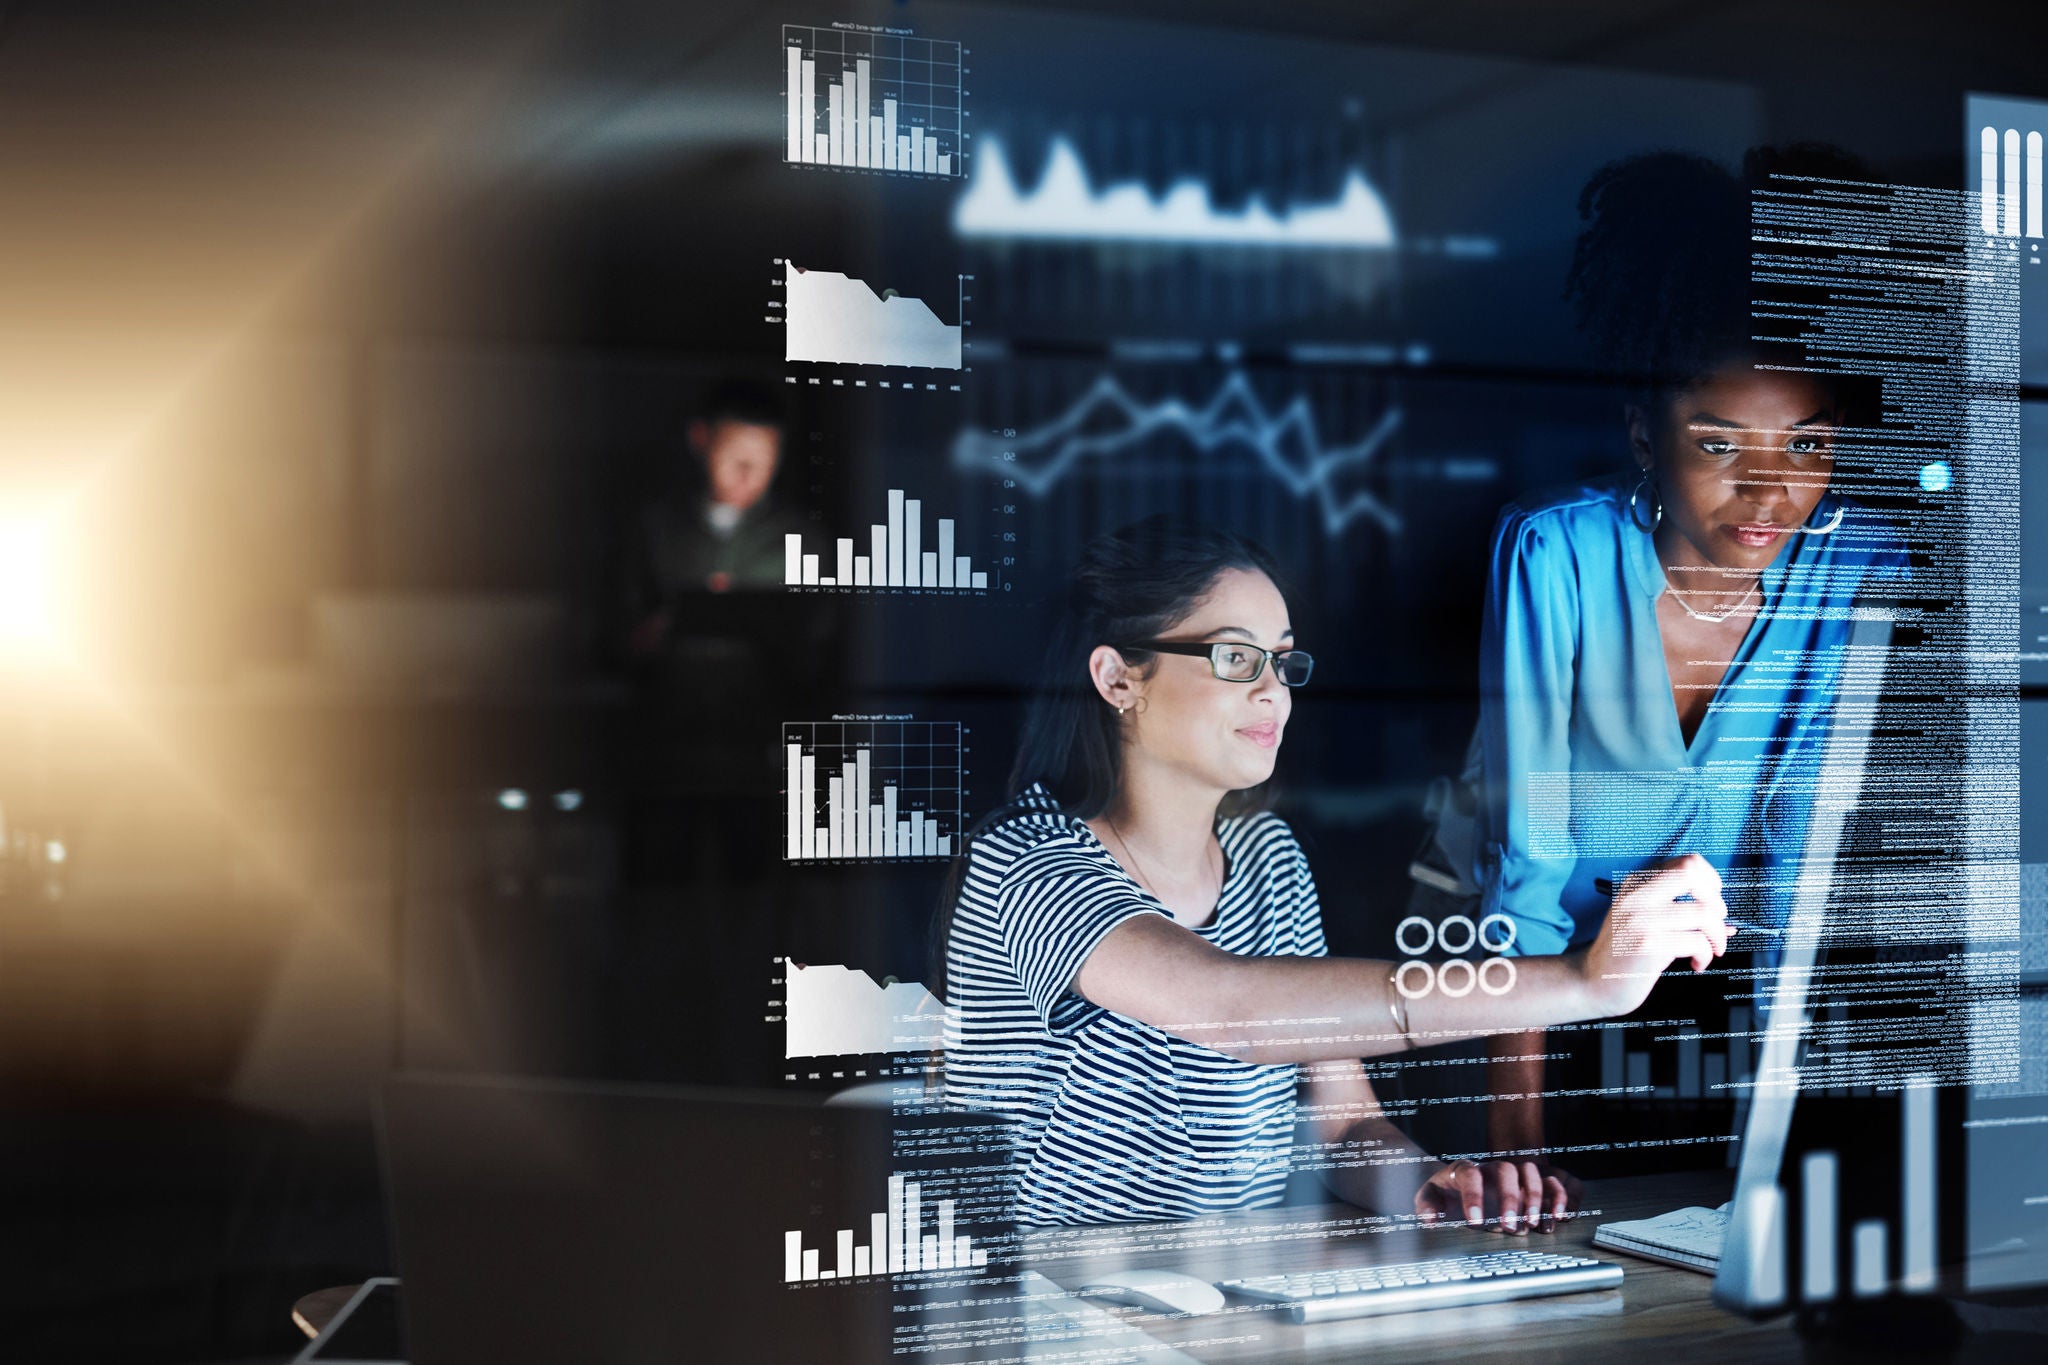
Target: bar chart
pixel 897 1243
pixel 1703 1071
pixel 1873 1250
pixel 872 101
pixel 871 790
pixel 896 557
pixel 2008 210
pixel 835 319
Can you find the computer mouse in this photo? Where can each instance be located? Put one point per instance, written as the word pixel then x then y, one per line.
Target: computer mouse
pixel 1158 1291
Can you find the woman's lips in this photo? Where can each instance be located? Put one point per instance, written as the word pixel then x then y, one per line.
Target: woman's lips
pixel 1265 736
pixel 1757 535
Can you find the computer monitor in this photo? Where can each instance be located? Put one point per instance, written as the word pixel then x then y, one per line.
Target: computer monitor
pixel 1881 1160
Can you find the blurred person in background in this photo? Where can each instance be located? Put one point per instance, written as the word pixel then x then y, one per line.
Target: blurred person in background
pixel 721 526
pixel 707 632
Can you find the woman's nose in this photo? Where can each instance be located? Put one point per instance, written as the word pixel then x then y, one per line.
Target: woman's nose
pixel 1762 480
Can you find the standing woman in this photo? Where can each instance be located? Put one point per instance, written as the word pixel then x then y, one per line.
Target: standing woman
pixel 1660 646
pixel 1134 957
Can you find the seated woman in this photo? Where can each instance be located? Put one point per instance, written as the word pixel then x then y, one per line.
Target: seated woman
pixel 1659 649
pixel 1134 958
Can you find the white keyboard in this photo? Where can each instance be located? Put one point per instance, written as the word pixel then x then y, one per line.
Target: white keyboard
pixel 1448 1282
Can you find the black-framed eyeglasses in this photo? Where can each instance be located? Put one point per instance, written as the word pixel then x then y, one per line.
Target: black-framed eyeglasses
pixel 1235 661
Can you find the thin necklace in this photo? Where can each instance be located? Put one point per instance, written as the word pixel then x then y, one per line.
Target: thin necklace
pixel 1679 598
pixel 1138 867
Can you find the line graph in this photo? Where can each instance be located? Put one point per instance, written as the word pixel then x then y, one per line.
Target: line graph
pixel 1107 421
pixel 1065 206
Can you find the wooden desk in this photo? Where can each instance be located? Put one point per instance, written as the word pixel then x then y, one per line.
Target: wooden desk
pixel 1661 1315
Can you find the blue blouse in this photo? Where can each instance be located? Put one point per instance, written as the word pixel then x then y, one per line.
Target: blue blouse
pixel 1587 772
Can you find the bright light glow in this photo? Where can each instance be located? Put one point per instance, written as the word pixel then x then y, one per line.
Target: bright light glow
pixel 568 800
pixel 28 585
pixel 1066 206
pixel 54 850
pixel 512 798
pixel 1936 476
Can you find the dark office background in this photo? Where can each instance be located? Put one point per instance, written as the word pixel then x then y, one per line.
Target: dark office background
pixel 353 336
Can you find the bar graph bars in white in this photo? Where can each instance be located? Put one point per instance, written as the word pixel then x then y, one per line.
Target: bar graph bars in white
pixel 897 1243
pixel 1870 1242
pixel 1872 1276
pixel 872 102
pixel 1818 1180
pixel 895 557
pixel 835 319
pixel 871 790
pixel 2009 182
pixel 1916 1270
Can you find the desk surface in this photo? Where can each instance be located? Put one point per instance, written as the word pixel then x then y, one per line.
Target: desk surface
pixel 1660 1314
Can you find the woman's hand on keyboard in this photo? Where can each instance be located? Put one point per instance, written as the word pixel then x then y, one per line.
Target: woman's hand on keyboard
pixel 1517 1196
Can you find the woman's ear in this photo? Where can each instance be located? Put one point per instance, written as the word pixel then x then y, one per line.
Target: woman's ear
pixel 1112 677
pixel 1640 446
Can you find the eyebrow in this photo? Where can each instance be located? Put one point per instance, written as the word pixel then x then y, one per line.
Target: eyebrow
pixel 1707 419
pixel 1286 634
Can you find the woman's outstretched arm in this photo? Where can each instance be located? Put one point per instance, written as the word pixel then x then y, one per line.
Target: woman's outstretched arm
pixel 1309 1009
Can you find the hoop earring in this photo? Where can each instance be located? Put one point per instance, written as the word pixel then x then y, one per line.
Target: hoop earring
pixel 1656 504
pixel 1829 529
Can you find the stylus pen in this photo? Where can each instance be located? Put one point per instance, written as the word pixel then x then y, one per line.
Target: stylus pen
pixel 1605 886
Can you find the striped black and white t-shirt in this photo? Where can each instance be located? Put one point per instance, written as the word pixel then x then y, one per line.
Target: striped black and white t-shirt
pixel 1115 1119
